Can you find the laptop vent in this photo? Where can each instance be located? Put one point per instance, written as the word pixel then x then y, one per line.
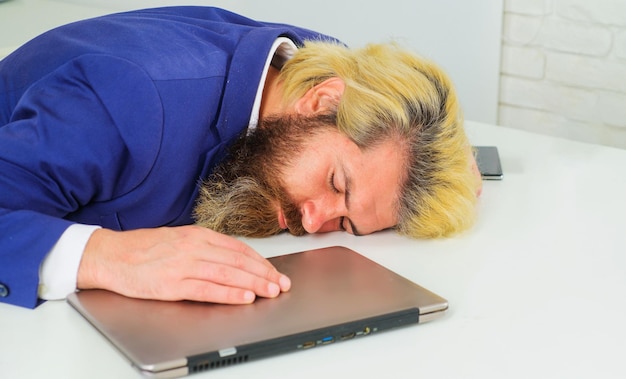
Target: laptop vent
pixel 210 365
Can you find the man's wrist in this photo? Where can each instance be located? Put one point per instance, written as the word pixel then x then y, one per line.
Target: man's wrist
pixel 59 270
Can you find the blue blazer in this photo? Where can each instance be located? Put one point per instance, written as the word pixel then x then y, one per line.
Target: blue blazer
pixel 114 120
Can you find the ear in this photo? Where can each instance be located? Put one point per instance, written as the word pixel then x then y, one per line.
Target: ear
pixel 323 97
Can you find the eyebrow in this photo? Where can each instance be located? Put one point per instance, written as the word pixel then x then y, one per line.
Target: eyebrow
pixel 348 179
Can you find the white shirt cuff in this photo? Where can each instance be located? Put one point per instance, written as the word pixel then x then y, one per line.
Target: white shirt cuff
pixel 59 270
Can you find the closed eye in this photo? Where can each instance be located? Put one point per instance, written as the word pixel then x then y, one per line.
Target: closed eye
pixel 331 183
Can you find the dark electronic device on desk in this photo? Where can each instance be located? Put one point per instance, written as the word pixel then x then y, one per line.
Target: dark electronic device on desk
pixel 488 160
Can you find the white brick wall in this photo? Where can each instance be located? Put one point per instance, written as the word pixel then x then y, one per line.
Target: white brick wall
pixel 564 69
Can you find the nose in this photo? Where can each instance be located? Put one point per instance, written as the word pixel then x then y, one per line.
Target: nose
pixel 320 216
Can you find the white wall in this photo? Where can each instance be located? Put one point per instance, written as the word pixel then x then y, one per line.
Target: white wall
pixel 564 69
pixel 463 36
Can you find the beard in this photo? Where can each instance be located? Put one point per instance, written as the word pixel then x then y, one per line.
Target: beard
pixel 242 195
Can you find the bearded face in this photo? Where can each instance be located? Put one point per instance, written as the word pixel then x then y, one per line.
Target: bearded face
pixel 245 191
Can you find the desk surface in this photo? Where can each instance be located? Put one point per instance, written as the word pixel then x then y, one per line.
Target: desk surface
pixel 536 289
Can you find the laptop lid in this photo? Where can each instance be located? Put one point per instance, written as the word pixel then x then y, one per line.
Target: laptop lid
pixel 336 295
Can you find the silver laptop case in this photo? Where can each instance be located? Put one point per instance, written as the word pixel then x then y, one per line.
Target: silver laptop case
pixel 336 295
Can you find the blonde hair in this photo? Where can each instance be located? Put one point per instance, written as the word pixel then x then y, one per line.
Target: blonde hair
pixel 391 92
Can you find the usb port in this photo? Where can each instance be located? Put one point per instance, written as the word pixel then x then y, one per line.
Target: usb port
pixel 307 345
pixel 327 340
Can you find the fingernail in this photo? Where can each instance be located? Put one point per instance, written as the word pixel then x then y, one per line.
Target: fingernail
pixel 249 296
pixel 285 283
pixel 273 289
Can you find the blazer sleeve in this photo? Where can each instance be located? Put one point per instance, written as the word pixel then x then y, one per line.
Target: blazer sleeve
pixel 72 140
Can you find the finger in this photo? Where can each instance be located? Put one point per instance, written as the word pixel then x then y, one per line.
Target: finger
pixel 228 242
pixel 266 284
pixel 267 272
pixel 200 290
pixel 237 254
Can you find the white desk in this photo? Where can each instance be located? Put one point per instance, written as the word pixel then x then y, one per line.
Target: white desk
pixel 537 289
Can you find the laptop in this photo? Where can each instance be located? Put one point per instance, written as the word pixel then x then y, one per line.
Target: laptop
pixel 336 295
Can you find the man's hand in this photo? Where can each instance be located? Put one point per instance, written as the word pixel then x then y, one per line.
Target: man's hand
pixel 179 263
